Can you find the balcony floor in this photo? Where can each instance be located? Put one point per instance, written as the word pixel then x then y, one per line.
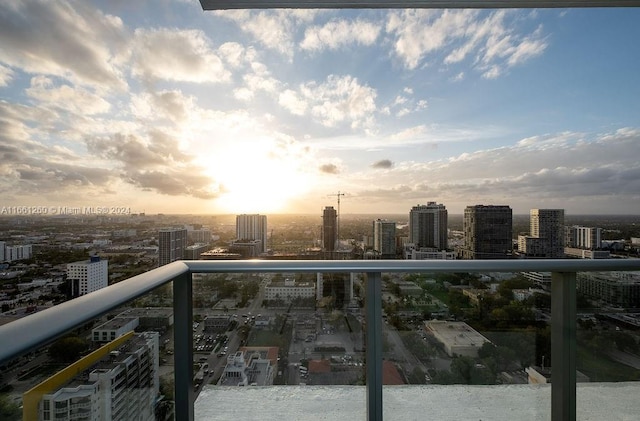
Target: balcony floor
pixel 595 401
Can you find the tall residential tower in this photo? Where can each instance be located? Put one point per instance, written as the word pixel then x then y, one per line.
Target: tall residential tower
pixel 171 245
pixel 547 234
pixel 384 238
pixel 252 227
pixel 428 226
pixel 488 232
pixel 329 228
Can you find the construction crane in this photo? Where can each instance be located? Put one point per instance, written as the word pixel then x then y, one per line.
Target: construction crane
pixel 338 195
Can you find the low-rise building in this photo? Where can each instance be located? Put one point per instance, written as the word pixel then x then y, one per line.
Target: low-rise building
pixel 217 323
pixel 151 318
pixel 250 366
pixel 587 254
pixel 621 289
pixel 289 289
pixel 458 338
pixel 114 328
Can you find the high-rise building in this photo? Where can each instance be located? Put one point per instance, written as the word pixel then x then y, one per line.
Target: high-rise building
pixel 384 238
pixel 587 238
pixel 252 227
pixel 16 252
pixel 547 234
pixel 428 226
pixel 200 235
pixel 171 245
pixel 119 381
pixel 488 232
pixel 87 276
pixel 329 228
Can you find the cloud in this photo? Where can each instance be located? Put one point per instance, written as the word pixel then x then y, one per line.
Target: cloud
pixel 235 54
pixel 410 133
pixel 339 33
pixel 273 29
pixel 329 169
pixel 6 74
pixel 493 41
pixel 338 100
pixel 72 99
pixel 565 170
pixel 70 40
pixel 173 183
pixel 382 164
pixel 154 163
pixel 33 168
pixel 170 105
pixel 176 55
pixel 292 102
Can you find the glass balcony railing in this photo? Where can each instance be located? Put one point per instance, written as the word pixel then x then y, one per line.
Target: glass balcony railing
pixel 383 323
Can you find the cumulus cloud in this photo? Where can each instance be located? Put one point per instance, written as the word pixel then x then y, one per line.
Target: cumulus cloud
pixel 171 105
pixel 339 33
pixel 291 101
pixel 274 29
pixel 338 100
pixel 493 41
pixel 70 40
pixel 33 168
pixel 73 99
pixel 329 169
pixel 383 164
pixel 6 74
pixel 565 169
pixel 154 163
pixel 176 55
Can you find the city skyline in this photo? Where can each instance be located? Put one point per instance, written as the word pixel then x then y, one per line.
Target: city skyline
pixel 159 107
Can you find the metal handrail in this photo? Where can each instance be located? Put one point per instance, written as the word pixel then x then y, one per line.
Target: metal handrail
pixel 26 334
pixel 37 329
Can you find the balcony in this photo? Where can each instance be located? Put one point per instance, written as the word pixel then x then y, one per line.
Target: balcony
pixel 559 401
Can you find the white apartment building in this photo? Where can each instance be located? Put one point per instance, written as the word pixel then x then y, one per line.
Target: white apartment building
pixel 252 227
pixel 114 328
pixel 122 385
pixel 13 253
pixel 426 253
pixel 586 238
pixel 87 276
pixel 288 290
pixel 249 367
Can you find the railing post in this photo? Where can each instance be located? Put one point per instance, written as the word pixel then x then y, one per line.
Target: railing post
pixel 183 347
pixel 563 346
pixel 374 346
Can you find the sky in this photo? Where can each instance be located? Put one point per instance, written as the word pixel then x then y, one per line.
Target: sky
pixel 161 107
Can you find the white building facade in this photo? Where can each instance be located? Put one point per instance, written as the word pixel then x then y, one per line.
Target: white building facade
pixel 87 276
pixel 289 289
pixel 252 227
pixel 124 385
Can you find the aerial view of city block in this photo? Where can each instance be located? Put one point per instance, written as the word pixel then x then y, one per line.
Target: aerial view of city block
pixel 141 138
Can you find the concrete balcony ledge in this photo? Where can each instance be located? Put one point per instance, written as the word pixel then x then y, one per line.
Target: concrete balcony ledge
pixel 595 402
